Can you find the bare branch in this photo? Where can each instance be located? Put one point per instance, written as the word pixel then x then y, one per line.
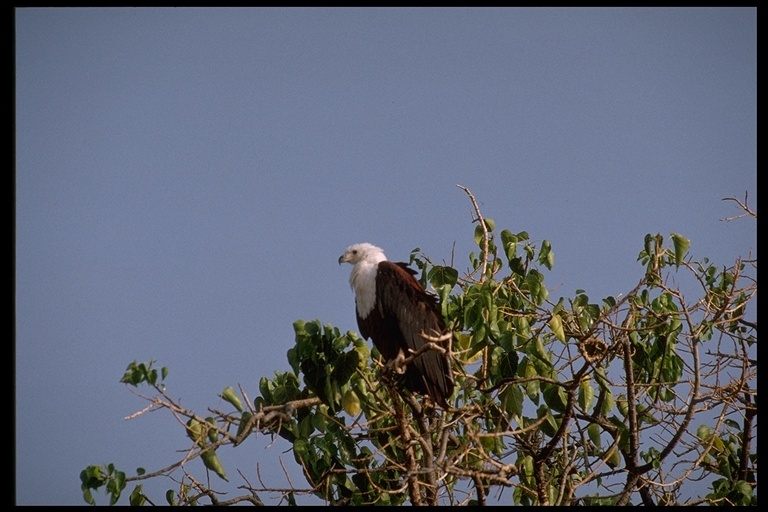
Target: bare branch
pixel 743 205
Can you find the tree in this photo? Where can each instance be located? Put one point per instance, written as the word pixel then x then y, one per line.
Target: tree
pixel 632 399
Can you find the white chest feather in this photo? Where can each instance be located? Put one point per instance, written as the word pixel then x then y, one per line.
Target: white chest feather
pixel 363 281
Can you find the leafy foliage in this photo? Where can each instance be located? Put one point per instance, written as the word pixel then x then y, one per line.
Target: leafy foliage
pixel 625 400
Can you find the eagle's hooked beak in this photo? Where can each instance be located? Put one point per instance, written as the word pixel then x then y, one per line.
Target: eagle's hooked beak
pixel 342 259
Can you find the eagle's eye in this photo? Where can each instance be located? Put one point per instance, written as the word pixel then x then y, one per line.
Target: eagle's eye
pixel 354 251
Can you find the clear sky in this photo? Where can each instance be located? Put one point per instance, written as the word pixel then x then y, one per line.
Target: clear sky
pixel 186 180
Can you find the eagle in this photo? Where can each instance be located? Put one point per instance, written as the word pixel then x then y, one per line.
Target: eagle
pixel 395 312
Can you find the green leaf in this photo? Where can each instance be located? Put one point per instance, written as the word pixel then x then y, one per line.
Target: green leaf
pixel 137 498
pixel 440 276
pixel 88 497
pixel 285 387
pixel 681 247
pixel 608 403
pixel 319 422
pixel 512 400
pixel 535 282
pixel 508 364
pixel 621 401
pixel 527 472
pixel 213 436
pixel 305 427
pixel 554 396
pixel 230 396
pixel 132 375
pixel 264 389
pixel 508 243
pixel 703 432
pixel 541 359
pixel 212 462
pixel 92 477
pixel 115 486
pixel 745 491
pixel 586 393
pixel 195 431
pixel 479 232
pixel 615 459
pixel 546 256
pixel 532 388
pixel 593 431
pixel 346 367
pixel 363 352
pixel 479 235
pixel 550 425
pixel 351 403
pixel 648 244
pixel 556 325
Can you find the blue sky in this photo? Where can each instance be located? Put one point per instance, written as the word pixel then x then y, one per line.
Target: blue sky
pixel 186 180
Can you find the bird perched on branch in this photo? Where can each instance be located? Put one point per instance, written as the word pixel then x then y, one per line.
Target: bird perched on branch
pixel 402 320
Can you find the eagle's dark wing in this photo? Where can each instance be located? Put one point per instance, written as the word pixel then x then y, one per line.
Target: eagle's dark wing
pixel 405 310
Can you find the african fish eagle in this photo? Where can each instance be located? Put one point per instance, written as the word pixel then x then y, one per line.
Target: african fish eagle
pixel 394 310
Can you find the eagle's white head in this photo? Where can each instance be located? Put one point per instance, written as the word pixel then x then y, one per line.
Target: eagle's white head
pixel 362 252
pixel 364 259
